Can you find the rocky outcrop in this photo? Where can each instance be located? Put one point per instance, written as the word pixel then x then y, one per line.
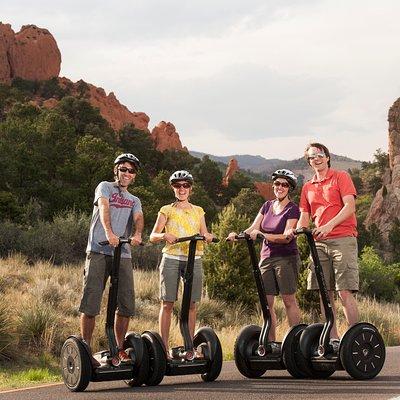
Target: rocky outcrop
pixel 232 167
pixel 385 207
pixel 110 108
pixel 166 137
pixel 30 54
pixel 265 190
pixel 33 54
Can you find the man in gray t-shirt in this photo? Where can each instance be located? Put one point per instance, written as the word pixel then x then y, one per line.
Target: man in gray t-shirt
pixel 116 213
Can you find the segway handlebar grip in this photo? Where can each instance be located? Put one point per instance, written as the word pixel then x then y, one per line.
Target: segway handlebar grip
pixel 122 240
pixel 194 237
pixel 246 236
pixel 299 231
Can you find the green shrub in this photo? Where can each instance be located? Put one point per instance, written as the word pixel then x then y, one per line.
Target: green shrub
pixel 377 279
pixel 7 334
pixel 37 326
pixel 227 270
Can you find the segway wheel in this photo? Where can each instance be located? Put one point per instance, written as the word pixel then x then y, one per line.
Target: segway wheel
pixel 246 345
pixel 76 368
pixel 362 351
pixel 138 352
pixel 212 350
pixel 157 358
pixel 309 342
pixel 293 359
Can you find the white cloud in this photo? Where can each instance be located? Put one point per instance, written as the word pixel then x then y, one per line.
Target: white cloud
pixel 251 74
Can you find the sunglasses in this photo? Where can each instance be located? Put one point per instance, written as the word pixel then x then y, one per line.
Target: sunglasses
pixel 314 156
pixel 125 169
pixel 283 184
pixel 181 185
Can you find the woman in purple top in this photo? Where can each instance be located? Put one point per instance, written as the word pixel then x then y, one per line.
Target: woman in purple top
pixel 279 260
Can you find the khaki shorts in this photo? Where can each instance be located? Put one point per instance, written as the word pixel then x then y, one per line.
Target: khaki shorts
pixel 280 274
pixel 171 271
pixel 338 258
pixel 97 270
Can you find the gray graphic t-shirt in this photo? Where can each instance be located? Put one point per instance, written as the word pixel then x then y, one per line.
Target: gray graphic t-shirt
pixel 123 205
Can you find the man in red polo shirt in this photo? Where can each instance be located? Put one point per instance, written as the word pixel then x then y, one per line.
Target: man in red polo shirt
pixel 329 199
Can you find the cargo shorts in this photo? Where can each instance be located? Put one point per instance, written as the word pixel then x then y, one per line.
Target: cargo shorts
pixel 172 271
pixel 338 258
pixel 97 270
pixel 280 274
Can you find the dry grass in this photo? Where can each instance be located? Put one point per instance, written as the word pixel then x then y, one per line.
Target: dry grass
pixel 39 309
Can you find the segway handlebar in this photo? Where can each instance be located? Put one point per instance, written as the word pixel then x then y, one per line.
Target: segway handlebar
pixel 194 237
pixel 122 240
pixel 306 231
pixel 246 236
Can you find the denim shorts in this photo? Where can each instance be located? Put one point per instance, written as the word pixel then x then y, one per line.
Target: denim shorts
pixel 171 271
pixel 97 270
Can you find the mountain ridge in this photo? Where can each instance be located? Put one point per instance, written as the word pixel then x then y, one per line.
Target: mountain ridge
pixel 264 166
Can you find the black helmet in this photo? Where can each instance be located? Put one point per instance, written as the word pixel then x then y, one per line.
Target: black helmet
pixel 128 157
pixel 181 176
pixel 286 174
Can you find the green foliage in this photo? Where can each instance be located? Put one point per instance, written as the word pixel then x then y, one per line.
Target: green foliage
pixel 308 300
pixel 7 335
pixel 62 240
pixel 247 202
pixel 228 274
pixel 394 240
pixel 37 324
pixel 378 279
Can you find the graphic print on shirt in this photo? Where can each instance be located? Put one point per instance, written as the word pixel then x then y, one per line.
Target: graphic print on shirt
pixel 118 201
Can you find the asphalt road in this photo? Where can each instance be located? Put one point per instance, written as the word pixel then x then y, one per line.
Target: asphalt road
pixel 231 385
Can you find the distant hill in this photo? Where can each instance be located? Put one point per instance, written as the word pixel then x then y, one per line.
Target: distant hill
pixel 265 166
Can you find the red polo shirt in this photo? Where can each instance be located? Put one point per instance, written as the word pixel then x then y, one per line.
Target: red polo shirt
pixel 323 201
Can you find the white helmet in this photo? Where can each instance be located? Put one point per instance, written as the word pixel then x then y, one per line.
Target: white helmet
pixel 286 174
pixel 181 176
pixel 128 157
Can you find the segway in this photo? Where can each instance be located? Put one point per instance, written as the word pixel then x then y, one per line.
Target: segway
pixel 205 341
pixel 76 366
pixel 254 354
pixel 361 351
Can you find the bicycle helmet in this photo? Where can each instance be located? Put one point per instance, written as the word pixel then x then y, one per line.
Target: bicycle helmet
pixel 128 157
pixel 286 174
pixel 181 176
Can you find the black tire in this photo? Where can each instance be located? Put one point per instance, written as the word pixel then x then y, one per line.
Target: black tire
pixel 206 336
pixel 362 351
pixel 157 358
pixel 309 342
pixel 140 359
pixel 292 357
pixel 76 367
pixel 246 345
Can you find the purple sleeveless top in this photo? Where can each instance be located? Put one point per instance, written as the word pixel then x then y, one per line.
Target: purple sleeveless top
pixel 276 224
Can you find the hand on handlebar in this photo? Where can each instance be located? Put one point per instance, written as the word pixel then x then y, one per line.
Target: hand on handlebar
pixel 170 238
pixel 254 233
pixel 113 240
pixel 231 237
pixel 136 240
pixel 208 237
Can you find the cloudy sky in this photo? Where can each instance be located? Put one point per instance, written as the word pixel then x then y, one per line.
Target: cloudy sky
pixel 237 77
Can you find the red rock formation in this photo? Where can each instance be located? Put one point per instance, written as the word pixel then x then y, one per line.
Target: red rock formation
pixel 165 137
pixel 33 54
pixel 6 42
pixel 385 207
pixel 232 167
pixel 30 54
pixel 265 189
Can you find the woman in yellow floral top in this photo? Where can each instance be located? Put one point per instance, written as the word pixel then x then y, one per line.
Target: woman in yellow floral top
pixel 175 220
